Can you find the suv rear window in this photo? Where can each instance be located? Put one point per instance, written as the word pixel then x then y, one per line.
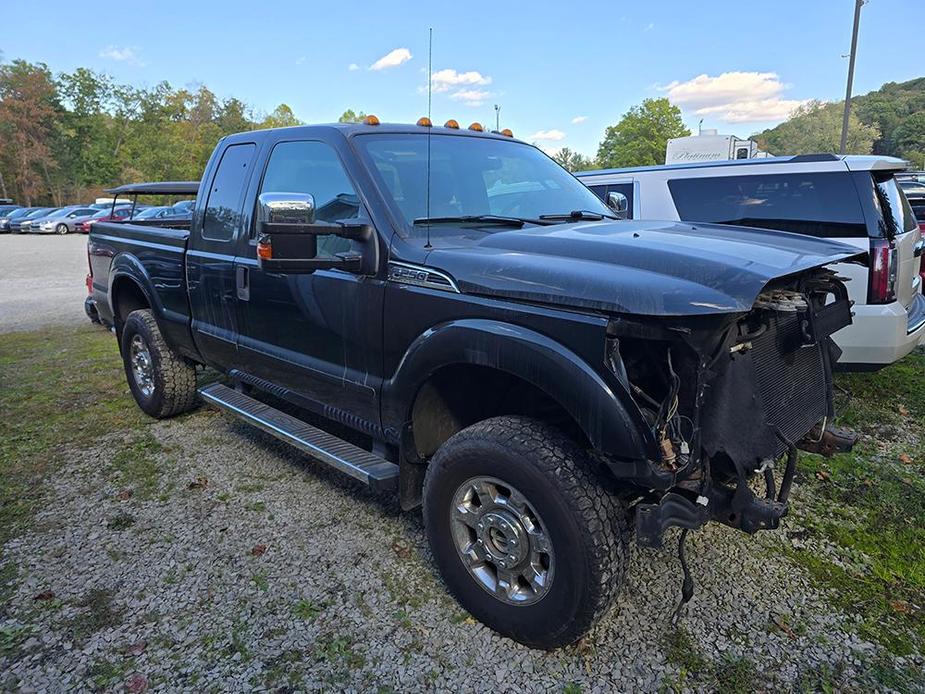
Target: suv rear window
pixel 814 204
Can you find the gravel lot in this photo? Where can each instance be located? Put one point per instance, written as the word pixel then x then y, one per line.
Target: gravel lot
pixel 42 280
pixel 199 554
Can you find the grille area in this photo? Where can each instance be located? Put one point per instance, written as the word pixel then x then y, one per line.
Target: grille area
pixel 790 378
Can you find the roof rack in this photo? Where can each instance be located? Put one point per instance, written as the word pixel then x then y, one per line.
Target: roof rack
pixel 809 158
pixel 157 188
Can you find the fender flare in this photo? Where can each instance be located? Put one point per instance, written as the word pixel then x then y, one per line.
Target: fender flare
pixel 605 419
pixel 126 267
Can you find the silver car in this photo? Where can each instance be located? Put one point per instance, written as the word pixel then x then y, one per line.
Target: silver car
pixel 63 221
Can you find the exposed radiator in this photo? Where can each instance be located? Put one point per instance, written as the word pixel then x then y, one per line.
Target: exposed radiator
pixel 790 378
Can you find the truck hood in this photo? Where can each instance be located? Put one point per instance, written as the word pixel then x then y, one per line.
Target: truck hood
pixel 637 267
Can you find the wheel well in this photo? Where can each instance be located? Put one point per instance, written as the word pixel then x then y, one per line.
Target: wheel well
pixel 459 395
pixel 127 296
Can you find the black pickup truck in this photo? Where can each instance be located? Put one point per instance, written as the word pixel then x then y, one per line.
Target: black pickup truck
pixel 447 314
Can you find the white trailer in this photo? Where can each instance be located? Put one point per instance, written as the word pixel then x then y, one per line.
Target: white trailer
pixel 710 146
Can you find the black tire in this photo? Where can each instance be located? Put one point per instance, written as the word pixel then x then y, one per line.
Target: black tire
pixel 173 378
pixel 61 229
pixel 586 524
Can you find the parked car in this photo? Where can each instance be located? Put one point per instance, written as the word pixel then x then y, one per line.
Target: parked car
pixel 108 214
pixel 6 209
pixel 8 218
pixel 22 224
pixel 162 213
pixel 63 221
pixel 851 199
pixel 477 344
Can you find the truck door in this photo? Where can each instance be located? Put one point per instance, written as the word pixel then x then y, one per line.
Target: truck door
pixel 318 335
pixel 211 254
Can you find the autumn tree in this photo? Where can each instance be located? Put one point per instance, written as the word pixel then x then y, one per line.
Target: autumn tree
pixel 641 135
pixel 28 110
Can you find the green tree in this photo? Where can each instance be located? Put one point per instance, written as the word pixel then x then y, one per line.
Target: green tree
pixel 572 161
pixel 816 127
pixel 282 117
pixel 640 138
pixel 349 116
pixel 909 138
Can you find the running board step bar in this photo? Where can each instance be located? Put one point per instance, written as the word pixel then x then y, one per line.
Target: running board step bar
pixel 375 472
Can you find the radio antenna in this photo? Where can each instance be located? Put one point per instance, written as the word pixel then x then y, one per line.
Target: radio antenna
pixel 430 72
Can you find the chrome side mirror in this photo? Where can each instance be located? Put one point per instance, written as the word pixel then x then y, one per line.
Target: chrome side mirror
pixel 285 212
pixel 618 203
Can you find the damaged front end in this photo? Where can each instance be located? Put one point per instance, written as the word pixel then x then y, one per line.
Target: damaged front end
pixel 729 401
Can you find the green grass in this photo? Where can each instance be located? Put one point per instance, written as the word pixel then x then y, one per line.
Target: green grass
pixel 307 610
pixel 60 389
pixel 138 466
pixel 870 506
pixel 98 611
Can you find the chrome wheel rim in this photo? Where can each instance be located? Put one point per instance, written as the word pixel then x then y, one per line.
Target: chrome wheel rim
pixel 502 541
pixel 142 366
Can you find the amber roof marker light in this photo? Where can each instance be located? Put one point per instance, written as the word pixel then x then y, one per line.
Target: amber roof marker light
pixel 507 132
pixel 371 120
pixel 424 122
pixel 477 127
pixel 451 124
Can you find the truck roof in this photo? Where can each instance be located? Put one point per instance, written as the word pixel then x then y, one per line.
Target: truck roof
pixel 853 162
pixel 350 129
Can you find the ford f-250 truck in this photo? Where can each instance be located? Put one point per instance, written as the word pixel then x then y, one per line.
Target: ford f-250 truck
pixel 489 342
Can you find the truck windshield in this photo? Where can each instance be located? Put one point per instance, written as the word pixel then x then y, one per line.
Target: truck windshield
pixel 473 178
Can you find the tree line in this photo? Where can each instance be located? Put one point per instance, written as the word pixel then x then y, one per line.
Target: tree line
pixel 68 136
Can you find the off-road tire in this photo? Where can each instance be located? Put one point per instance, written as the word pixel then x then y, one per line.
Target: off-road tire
pixel 174 377
pixel 587 526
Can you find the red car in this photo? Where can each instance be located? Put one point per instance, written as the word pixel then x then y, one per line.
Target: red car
pixel 120 214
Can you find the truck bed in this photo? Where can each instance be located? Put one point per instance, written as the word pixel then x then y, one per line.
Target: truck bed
pixel 154 257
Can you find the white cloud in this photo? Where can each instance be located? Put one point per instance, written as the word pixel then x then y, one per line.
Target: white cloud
pixel 734 97
pixel 393 58
pixel 445 80
pixel 300 60
pixel 122 54
pixel 547 135
pixel 471 97
pixel 579 119
pixel 353 67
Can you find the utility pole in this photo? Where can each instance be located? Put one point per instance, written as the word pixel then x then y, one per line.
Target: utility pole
pixel 497 117
pixel 851 57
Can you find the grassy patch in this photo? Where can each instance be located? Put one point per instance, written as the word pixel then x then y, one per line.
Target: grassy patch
pixel 120 521
pixel 105 673
pixel 137 465
pixel 307 610
pixel 99 612
pixel 58 388
pixel 866 509
pixel 337 649
pixel 683 651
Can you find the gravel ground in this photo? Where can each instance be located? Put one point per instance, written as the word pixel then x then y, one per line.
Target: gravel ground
pixel 238 564
pixel 42 280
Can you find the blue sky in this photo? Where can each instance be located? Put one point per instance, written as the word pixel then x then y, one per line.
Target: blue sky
pixel 561 71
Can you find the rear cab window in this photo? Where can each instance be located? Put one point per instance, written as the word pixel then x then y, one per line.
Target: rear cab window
pixel 223 208
pixel 824 204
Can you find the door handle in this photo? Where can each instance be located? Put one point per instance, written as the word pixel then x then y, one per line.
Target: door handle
pixel 243 282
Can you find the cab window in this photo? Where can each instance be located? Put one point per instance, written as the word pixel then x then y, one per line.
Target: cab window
pixel 314 168
pixel 223 208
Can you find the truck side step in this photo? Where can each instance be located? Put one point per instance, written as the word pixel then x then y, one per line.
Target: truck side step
pixel 377 473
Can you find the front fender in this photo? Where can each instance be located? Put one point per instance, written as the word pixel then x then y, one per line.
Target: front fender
pixel 560 373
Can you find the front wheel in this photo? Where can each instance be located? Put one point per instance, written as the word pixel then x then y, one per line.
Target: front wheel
pixel 162 382
pixel 526 537
pixel 61 229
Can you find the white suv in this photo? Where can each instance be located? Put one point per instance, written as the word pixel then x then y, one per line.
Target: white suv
pixel 852 199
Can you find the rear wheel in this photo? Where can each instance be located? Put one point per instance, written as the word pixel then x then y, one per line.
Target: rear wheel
pixel 162 382
pixel 61 228
pixel 526 537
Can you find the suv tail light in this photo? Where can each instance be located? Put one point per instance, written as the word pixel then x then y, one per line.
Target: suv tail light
pixel 883 267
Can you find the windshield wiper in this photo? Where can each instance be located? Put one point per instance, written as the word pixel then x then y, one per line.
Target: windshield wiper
pixel 578 215
pixel 500 220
